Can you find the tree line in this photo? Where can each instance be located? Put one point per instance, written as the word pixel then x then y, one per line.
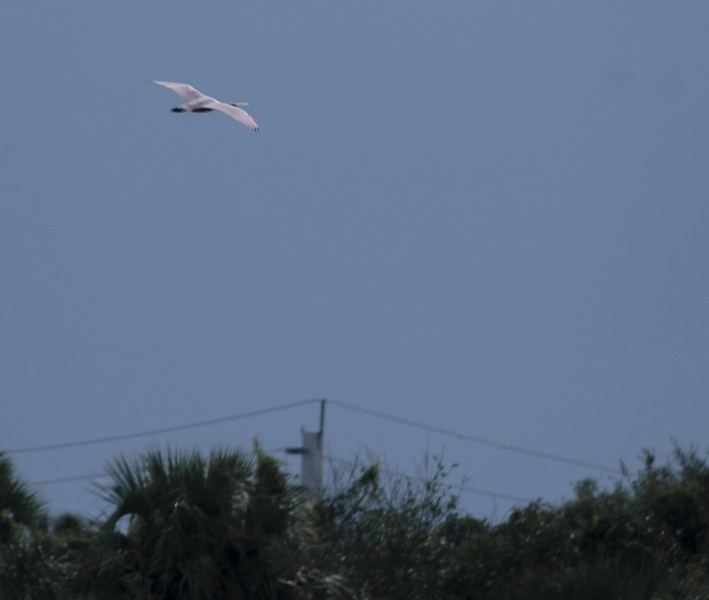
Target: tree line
pixel 233 525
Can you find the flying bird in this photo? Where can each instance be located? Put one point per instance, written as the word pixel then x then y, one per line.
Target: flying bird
pixel 197 102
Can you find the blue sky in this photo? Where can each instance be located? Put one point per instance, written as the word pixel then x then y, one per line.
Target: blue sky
pixel 486 216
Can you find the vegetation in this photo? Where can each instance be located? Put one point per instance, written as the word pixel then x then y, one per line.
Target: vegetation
pixel 181 525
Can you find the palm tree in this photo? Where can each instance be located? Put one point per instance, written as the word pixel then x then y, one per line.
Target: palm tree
pixel 183 526
pixel 19 506
pixel 27 565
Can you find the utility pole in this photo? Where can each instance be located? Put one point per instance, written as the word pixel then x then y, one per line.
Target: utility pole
pixel 311 457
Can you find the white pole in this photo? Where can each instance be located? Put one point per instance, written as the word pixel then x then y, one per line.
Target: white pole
pixel 311 457
pixel 311 461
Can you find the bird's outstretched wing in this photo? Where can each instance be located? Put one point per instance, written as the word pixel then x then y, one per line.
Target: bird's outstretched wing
pixel 234 112
pixel 183 89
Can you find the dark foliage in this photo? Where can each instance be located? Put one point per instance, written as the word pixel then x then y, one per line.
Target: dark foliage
pixel 230 525
pixel 646 537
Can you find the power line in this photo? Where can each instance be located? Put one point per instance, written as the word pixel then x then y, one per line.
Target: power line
pixel 92 476
pixel 128 436
pixel 88 477
pixel 474 438
pixel 378 414
pixel 462 488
